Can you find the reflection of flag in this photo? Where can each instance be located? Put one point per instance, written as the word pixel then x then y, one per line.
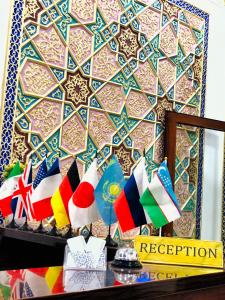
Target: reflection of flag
pixel 23 188
pixel 41 196
pixel 159 200
pixel 62 195
pixel 54 279
pixel 7 189
pixel 18 290
pixel 128 208
pixel 108 189
pixel 44 281
pixel 16 282
pixel 5 292
pixel 82 206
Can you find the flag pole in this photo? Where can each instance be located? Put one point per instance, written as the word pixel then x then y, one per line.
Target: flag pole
pixel 89 234
pixel 160 231
pixel 144 153
pixel 109 240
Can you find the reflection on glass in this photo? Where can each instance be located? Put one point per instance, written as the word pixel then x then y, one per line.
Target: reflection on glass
pixel 28 283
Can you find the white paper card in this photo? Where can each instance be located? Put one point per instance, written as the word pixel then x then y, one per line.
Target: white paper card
pixel 95 246
pixel 77 244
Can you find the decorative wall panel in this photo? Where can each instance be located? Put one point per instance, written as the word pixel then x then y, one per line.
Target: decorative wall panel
pixel 97 75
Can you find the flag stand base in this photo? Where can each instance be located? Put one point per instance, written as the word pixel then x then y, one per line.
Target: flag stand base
pixel 110 242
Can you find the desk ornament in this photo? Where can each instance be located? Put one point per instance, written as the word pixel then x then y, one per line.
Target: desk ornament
pixel 80 255
pixel 126 257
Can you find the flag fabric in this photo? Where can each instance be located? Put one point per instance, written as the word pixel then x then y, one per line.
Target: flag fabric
pixel 62 195
pixel 41 196
pixel 18 210
pixel 159 201
pixel 128 209
pixel 108 189
pixel 7 190
pixel 24 186
pixel 164 176
pixel 42 172
pixel 82 206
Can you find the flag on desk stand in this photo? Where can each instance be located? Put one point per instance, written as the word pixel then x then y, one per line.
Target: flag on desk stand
pixel 24 187
pixel 42 172
pixel 129 211
pixel 108 189
pixel 20 204
pixel 41 196
pixel 7 189
pixel 82 206
pixel 62 195
pixel 159 200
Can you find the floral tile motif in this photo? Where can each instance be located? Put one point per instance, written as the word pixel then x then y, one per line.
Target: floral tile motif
pixel 97 75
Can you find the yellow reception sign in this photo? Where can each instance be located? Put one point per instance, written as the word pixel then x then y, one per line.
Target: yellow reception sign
pixel 179 251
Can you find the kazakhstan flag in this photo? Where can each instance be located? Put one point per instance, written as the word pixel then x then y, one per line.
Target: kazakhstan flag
pixel 108 189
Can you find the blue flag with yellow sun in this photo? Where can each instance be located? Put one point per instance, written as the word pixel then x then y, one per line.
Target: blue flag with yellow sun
pixel 108 189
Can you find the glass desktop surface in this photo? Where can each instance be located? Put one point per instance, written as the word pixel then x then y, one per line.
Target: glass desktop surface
pixel 37 282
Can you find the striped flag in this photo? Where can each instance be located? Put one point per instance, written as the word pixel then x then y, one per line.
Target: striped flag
pixel 42 172
pixel 41 196
pixel 159 200
pixel 62 195
pixel 7 190
pixel 23 188
pixel 128 208
pixel 82 206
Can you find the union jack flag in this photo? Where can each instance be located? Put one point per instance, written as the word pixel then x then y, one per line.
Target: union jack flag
pixel 23 188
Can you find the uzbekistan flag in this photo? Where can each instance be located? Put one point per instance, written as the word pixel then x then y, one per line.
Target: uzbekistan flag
pixel 82 206
pixel 62 195
pixel 158 200
pixel 128 208
pixel 7 190
pixel 41 196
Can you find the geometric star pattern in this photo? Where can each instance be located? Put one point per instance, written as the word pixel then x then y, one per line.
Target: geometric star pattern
pixel 98 75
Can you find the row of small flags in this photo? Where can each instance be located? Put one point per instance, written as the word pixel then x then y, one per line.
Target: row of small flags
pixel 133 203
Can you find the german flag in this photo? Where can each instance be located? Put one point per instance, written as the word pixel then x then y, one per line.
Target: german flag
pixel 62 195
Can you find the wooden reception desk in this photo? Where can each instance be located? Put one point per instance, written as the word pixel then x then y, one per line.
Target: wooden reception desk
pixel 22 250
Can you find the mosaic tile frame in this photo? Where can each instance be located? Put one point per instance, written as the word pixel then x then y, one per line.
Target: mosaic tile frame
pixel 11 84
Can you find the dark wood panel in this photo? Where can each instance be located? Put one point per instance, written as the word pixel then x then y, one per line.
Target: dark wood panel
pixel 25 249
pixel 172 120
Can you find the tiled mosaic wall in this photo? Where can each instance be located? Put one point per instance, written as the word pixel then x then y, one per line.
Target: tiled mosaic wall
pixel 98 75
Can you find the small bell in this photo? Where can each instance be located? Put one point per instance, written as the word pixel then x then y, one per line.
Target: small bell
pixel 126 257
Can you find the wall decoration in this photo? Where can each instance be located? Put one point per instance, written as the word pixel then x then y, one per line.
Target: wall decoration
pixel 98 75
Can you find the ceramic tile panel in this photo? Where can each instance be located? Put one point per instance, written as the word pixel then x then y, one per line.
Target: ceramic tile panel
pixel 98 75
